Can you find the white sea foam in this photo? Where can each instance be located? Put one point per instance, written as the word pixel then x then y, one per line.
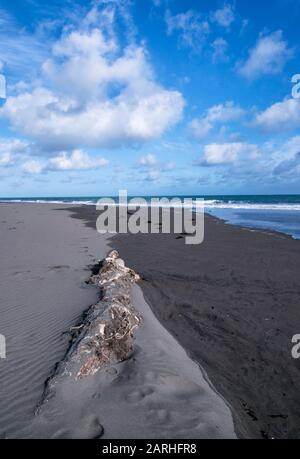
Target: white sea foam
pixel 216 204
pixel 197 204
pixel 47 201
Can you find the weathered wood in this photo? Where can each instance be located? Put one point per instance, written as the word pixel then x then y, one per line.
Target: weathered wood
pixel 106 334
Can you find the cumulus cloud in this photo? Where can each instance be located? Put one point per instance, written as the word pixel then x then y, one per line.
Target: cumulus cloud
pixel 215 154
pixel 95 93
pixel 289 165
pixel 267 163
pixel 6 159
pixel 192 29
pixel 10 150
pixel 288 158
pixel 280 116
pixel 224 16
pixel 33 167
pixel 77 160
pixel 268 56
pixel 221 113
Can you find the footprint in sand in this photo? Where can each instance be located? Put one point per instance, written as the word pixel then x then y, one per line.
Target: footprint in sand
pixel 160 415
pixel 58 267
pixel 89 428
pixel 139 394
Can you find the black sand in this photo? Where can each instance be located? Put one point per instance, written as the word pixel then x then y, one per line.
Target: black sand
pixel 157 392
pixel 233 303
pixel 45 257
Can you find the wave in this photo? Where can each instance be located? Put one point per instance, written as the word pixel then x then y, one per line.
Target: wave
pixel 197 203
pixel 217 204
pixel 48 201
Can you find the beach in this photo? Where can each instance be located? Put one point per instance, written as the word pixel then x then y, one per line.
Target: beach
pixel 233 303
pixel 47 258
pixel 212 358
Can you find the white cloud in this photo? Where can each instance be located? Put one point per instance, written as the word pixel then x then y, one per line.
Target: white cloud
pixel 95 93
pixel 225 112
pixel 292 146
pixel 221 113
pixel 289 166
pixel 6 159
pixel 77 160
pixel 33 167
pixel 280 116
pixel 153 167
pixel 148 160
pixel 153 175
pixel 224 16
pixel 10 150
pixel 194 28
pixel 191 27
pixel 64 161
pixel 268 56
pixel 220 47
pixel 219 154
pixel 289 158
pixel 268 163
pixel 200 127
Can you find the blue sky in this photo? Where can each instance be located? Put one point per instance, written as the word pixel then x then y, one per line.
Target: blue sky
pixel 152 96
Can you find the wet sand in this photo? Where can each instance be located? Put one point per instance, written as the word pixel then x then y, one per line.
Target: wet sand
pixel 233 303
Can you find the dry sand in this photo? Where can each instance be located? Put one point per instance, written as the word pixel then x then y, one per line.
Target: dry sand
pixel 159 392
pixel 44 264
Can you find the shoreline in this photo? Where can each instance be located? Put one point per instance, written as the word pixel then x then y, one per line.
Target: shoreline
pixel 266 231
pixel 233 303
pixel 294 234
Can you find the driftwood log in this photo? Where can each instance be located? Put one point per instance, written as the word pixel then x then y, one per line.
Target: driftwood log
pixel 106 333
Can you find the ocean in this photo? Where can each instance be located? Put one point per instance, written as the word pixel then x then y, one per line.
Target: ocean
pixel 271 212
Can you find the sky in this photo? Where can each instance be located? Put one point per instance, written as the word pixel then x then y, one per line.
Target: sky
pixel 158 97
